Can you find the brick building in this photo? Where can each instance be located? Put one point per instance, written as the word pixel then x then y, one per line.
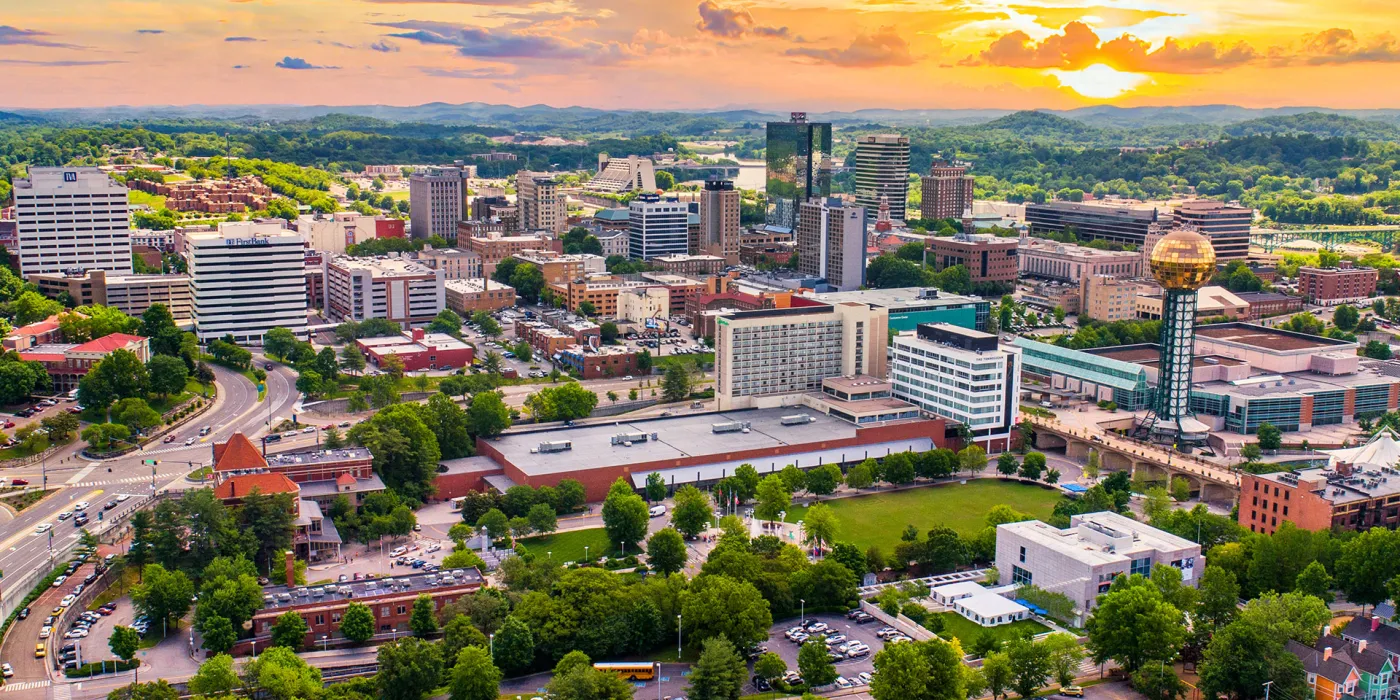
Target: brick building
pixel 455 263
pixel 68 363
pixel 210 196
pixel 495 247
pixel 947 192
pixel 691 264
pixel 603 362
pixel 468 296
pixel 987 258
pixel 1352 492
pixel 418 350
pixel 1337 285
pixel 395 289
pixel 1266 304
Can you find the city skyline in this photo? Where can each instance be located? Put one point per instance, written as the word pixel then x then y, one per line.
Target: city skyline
pixel 644 54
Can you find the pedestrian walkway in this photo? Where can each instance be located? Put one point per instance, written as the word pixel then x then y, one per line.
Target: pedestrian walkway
pixel 62 691
pixel 27 685
pixel 930 581
pixel 108 482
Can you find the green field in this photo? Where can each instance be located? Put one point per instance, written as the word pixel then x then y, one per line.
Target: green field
pixel 154 201
pixel 568 546
pixel 878 519
pixel 965 630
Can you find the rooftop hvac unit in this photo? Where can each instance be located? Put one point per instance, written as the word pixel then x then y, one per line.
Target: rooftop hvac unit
pixel 798 419
pixel 622 438
pixel 730 427
pixel 556 446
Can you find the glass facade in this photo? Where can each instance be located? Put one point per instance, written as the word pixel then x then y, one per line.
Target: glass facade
pixel 1020 576
pixel 1327 407
pixel 1129 381
pixel 799 168
pixel 1282 413
pixel 1372 399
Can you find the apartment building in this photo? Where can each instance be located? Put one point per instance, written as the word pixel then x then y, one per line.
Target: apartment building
pixel 396 289
pixel 332 233
pixel 559 268
pixel 1043 258
pixel 697 265
pixel 831 243
pixel 962 375
pixel 947 192
pixel 245 279
pixel 987 258
pixel 1225 225
pixel 495 247
pixel 1344 284
pixel 468 296
pixel 762 356
pixel 455 263
pixel 131 294
pixel 1266 304
pixel 601 292
pixel 225 196
pixel 71 219
pixel 1082 560
pixel 882 173
pixel 720 231
pixel 436 202
pixel 657 227
pixel 1106 298
pixel 541 202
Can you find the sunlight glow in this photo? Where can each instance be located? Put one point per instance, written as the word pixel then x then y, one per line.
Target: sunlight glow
pixel 1100 81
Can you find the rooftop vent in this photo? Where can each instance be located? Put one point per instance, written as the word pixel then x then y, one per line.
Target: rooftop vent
pixel 629 438
pixel 798 419
pixel 556 446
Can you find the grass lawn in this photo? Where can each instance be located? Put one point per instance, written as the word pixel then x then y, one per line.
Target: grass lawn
pixel 965 630
pixel 879 518
pixel 568 546
pixel 704 358
pixel 397 195
pixel 19 501
pixel 154 201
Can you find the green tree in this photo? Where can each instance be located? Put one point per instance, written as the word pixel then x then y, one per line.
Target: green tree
pixel 1031 665
pixel 1315 581
pixel 542 518
pixel 279 342
pixel 124 642
pixel 408 669
pixel 1181 489
pixel 488 415
pixel 1346 317
pixel 358 623
pixel 458 634
pixel 282 675
pixel 60 425
pixel 217 633
pixel 972 459
pixel 496 523
pixel 351 359
pixel 447 321
pixel 583 682
pixel 675 385
pixel 289 630
pixel 514 647
pixel 422 619
pixel 1293 615
pixel 167 375
pixel 859 477
pixel 770 667
pixel 772 498
pixel 656 487
pixel 666 551
pixel 720 673
pixel 1270 438
pixel 1033 466
pixel 1242 657
pixel 820 525
pixel 1133 625
pixel 1159 683
pixel 569 401
pixel 1219 596
pixel 624 514
pixel 1368 561
pixel 1065 655
pixel 814 664
pixel 997 674
pixel 215 678
pixel 692 511
pixel 1091 465
pixel 474 677
pixel 1007 464
pixel 162 594
pixel 717 606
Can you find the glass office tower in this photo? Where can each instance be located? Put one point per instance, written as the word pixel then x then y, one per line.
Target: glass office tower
pixel 799 167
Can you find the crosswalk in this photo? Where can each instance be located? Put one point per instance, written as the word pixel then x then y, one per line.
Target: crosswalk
pixel 27 685
pixel 127 480
pixel 62 691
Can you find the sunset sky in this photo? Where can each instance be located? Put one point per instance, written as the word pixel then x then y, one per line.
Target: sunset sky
pixel 663 54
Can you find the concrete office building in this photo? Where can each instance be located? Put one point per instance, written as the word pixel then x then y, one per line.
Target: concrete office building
pixel 455 263
pixel 436 202
pixel 1106 222
pixel 831 243
pixel 1082 561
pixel 762 356
pixel 395 289
pixel 1226 226
pixel 71 219
pixel 245 279
pixel 720 231
pixel 624 174
pixel 332 233
pixel 542 205
pixel 987 258
pixel 1108 299
pixel 657 227
pixel 1344 284
pixel 642 303
pixel 130 294
pixel 1043 258
pixel 947 192
pixel 962 375
pixel 798 157
pixel 882 171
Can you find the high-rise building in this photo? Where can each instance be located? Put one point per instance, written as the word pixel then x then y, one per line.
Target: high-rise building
pixel 436 202
pixel 396 289
pixel 882 170
pixel 657 227
pixel 541 203
pixel 959 374
pixel 764 355
pixel 245 279
pixel 799 167
pixel 72 219
pixel 1226 226
pixel 831 243
pixel 719 221
pixel 947 192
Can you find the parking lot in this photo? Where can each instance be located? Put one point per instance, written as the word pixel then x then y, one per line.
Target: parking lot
pixel 846 668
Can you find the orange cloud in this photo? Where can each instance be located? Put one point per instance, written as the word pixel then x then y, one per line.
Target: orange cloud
pixel 1080 47
pixel 883 48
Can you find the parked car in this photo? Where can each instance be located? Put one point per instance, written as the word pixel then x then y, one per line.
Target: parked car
pixel 23 614
pixel 59 581
pixel 1072 691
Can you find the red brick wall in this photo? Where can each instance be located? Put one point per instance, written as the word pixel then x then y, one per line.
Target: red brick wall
pixel 1305 411
pixel 1265 504
pixel 1394 397
pixel 450 486
pixel 388 228
pixel 327 611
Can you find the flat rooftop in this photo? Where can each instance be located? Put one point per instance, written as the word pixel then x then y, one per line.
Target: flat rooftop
pixel 384 266
pixel 897 298
pixel 676 438
pixel 474 285
pixel 1149 355
pixel 1265 339
pixel 344 454
pixel 1068 542
pixel 402 343
pixel 1292 384
pixel 278 597
pixel 1362 485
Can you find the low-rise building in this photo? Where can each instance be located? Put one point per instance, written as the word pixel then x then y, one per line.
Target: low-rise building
pixel 418 350
pixel 1352 492
pixel 209 196
pixel 1343 284
pixel 1337 668
pixel 1108 299
pixel 334 232
pixel 495 247
pixel 642 303
pixel 131 294
pixel 602 362
pixel 1066 262
pixel 987 258
pixel 468 296
pixel 391 288
pixel 550 339
pixel 1267 304
pixel 455 263
pixel 559 268
pixel 615 241
pixel 68 363
pixel 960 374
pixel 616 219
pixel 1211 302
pixel 321 475
pixel 1082 561
pixel 691 264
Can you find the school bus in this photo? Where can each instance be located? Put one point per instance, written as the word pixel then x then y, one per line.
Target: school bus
pixel 638 671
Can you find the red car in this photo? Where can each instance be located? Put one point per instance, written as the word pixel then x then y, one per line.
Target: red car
pixel 19 482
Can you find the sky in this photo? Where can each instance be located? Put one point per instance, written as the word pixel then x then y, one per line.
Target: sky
pixel 811 55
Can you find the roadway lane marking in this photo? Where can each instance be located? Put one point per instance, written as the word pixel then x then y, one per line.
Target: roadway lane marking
pixel 78 478
pixel 29 685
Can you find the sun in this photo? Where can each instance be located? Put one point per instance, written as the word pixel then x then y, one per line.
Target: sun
pixel 1100 81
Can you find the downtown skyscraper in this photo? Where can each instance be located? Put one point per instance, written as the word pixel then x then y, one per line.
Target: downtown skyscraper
pixel 882 170
pixel 799 167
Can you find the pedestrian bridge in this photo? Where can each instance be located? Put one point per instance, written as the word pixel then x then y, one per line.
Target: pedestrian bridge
pixel 1209 481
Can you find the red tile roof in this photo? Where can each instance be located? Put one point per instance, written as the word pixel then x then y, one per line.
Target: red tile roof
pixel 38 327
pixel 345 479
pixel 108 343
pixel 266 484
pixel 237 453
pixel 40 356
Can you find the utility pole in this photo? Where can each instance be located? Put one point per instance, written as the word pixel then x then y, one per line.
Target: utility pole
pixel 1266 689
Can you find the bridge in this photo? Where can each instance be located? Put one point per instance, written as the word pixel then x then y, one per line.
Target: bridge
pixel 1269 239
pixel 1210 481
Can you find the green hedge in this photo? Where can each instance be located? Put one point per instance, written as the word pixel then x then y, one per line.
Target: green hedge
pixel 43 585
pixel 98 668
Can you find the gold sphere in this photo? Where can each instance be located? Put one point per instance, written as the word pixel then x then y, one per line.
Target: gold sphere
pixel 1183 260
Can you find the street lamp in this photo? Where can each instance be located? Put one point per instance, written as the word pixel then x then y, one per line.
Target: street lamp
pixel 585 553
pixel 802 614
pixel 678 638
pixel 492 650
pixel 325 639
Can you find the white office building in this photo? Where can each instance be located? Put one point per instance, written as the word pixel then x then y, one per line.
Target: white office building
pixel 397 289
pixel 657 227
pixel 959 374
pixel 72 219
pixel 245 279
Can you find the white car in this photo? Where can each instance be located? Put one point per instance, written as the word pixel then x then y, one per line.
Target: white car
pixel 123 498
pixel 309 430
pixel 433 548
pixel 80 506
pixel 45 632
pixel 398 551
pixel 841 682
pixel 68 600
pixel 865 676
pixel 189 441
pixel 76 634
pixel 6 671
pixel 59 581
pixel 43 527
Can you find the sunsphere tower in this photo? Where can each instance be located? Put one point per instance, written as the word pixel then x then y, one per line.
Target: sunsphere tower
pixel 1182 262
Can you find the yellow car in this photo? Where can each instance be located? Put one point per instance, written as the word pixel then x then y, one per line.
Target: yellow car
pixel 1072 691
pixel 39 652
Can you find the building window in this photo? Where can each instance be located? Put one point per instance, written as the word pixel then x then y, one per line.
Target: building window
pixel 402 609
pixel 1142 566
pixel 384 611
pixel 1023 555
pixel 320 619
pixel 1020 576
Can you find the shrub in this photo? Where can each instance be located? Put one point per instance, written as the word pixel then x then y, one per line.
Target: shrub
pixel 97 668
